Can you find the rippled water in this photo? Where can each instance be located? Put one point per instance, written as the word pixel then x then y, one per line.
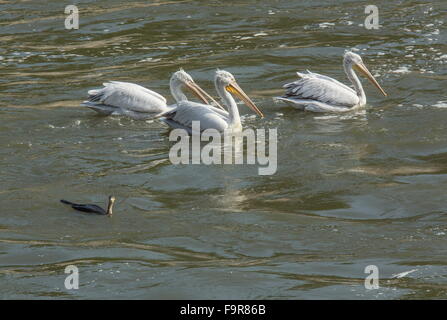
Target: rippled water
pixel 351 190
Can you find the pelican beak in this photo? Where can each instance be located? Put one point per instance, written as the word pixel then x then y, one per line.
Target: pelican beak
pixel 362 68
pixel 201 94
pixel 234 88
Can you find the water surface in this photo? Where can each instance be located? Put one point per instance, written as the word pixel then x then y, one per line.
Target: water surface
pixel 352 190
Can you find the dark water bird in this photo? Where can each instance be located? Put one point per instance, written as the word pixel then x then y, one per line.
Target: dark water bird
pixel 92 208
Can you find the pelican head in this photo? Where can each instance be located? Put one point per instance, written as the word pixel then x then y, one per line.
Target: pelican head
pixel 181 79
pixel 354 61
pixel 181 76
pixel 224 79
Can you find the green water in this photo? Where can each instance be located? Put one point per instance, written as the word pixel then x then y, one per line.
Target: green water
pixel 351 190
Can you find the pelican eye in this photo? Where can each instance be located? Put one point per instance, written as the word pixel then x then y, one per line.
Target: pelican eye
pixel 230 89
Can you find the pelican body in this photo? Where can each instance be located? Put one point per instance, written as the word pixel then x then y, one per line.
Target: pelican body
pixel 319 93
pixel 137 102
pixel 209 116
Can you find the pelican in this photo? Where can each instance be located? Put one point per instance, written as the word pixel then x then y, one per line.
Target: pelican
pixel 210 117
pixel 318 93
pixel 137 102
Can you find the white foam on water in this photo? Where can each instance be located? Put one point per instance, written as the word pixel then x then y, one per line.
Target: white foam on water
pixel 403 274
pixel 325 117
pixel 55 127
pixel 326 24
pixel 150 60
pixel 402 69
pixel 440 104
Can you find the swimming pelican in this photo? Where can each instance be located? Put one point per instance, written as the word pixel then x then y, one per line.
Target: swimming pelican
pixel 318 93
pixel 137 102
pixel 209 116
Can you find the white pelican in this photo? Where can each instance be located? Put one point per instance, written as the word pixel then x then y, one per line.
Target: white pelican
pixel 137 102
pixel 210 117
pixel 318 93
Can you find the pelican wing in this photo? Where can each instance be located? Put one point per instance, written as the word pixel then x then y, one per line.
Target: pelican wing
pixel 313 86
pixel 127 96
pixel 317 75
pixel 186 112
